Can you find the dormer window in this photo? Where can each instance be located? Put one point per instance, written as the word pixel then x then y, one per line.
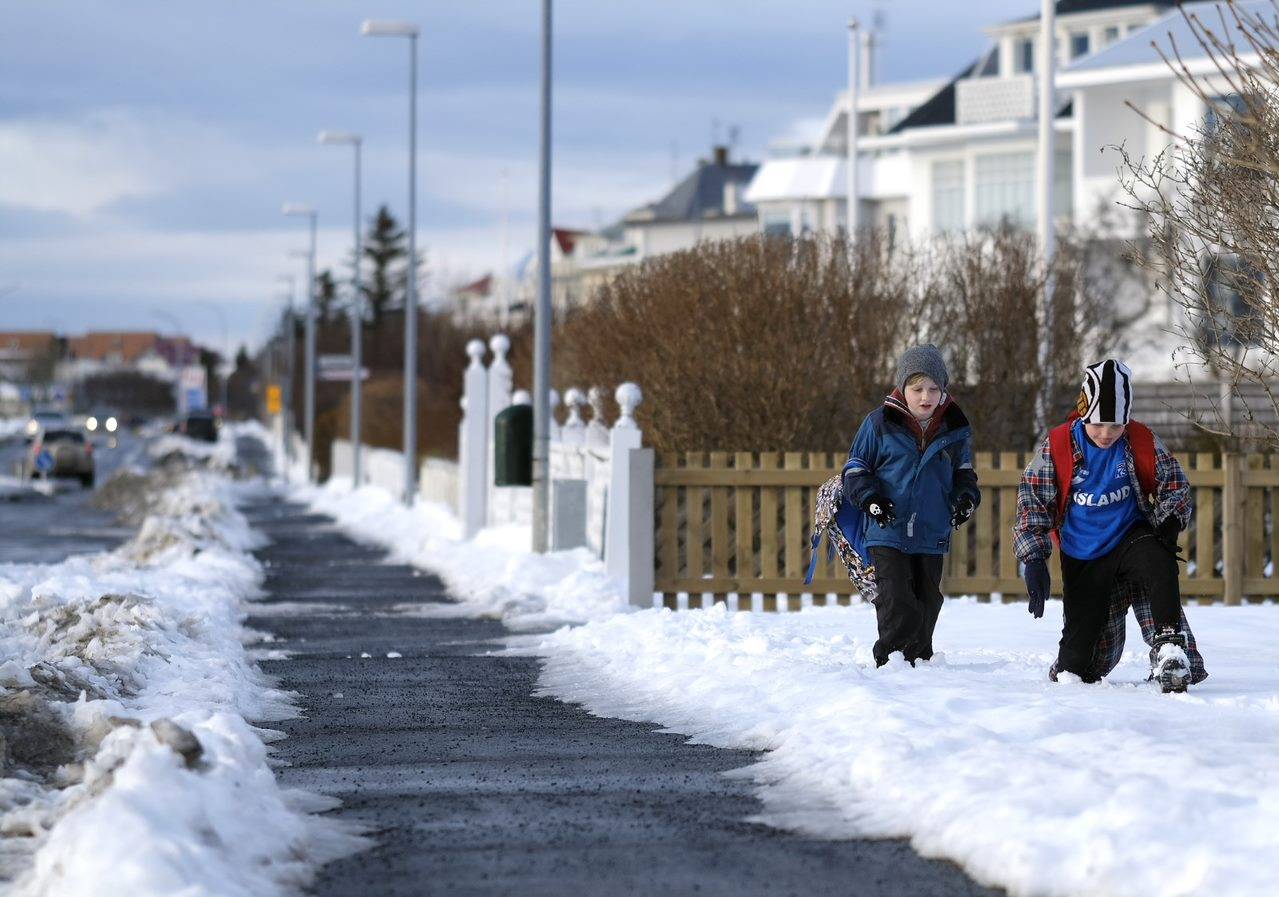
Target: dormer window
pixel 1078 44
pixel 1024 56
pixel 1110 35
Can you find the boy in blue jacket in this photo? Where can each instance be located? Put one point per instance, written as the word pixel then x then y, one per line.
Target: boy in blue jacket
pixel 910 470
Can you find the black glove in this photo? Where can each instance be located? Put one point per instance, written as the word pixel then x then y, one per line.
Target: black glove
pixel 1038 582
pixel 880 509
pixel 961 511
pixel 1168 531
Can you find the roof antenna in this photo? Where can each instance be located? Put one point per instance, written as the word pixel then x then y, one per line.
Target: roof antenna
pixel 734 133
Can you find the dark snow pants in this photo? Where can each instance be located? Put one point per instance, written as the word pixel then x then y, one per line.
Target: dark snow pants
pixel 908 602
pixel 1140 560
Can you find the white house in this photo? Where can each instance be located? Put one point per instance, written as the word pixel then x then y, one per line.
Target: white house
pixel 965 155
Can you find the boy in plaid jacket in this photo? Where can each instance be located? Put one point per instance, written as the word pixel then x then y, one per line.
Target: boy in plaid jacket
pixel 1115 499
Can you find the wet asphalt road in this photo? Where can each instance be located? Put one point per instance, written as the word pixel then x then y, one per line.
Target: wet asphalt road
pixel 472 786
pixel 45 529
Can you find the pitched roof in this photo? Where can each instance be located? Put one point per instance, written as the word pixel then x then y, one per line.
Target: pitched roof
pixel 1069 7
pixel 939 109
pixel 25 343
pixel 700 195
pixel 124 346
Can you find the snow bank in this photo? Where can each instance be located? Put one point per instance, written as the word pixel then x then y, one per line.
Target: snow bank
pixel 125 695
pixel 1040 788
pixel 493 575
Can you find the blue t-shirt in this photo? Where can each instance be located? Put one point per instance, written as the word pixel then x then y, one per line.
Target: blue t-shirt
pixel 1103 504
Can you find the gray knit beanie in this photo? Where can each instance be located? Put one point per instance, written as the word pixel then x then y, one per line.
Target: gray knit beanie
pixel 922 360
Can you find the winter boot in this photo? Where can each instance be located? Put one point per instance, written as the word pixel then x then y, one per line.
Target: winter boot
pixel 1169 665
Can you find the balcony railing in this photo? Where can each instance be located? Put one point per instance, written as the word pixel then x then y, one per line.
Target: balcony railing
pixel 979 100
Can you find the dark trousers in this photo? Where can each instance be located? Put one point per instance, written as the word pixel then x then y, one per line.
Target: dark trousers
pixel 908 602
pixel 1139 560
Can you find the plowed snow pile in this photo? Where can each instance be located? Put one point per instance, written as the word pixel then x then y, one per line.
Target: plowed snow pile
pixel 129 762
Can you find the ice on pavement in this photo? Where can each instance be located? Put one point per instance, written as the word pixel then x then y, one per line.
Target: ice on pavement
pixel 98 648
pixel 1050 790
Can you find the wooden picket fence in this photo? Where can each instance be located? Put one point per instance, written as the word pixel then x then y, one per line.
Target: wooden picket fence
pixel 739 524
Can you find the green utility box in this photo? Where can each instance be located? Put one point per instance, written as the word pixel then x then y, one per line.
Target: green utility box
pixel 513 446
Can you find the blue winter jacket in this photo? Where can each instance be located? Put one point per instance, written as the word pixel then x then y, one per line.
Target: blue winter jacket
pixel 923 483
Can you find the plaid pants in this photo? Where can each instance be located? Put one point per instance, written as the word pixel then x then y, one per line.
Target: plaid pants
pixel 1110 646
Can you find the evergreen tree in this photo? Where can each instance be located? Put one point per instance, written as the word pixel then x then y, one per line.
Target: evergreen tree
pixel 326 294
pixel 385 247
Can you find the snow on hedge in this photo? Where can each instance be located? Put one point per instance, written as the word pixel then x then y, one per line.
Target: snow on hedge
pixel 126 695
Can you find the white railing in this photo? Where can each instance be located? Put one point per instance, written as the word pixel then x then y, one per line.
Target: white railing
pixel 980 100
pixel 601 477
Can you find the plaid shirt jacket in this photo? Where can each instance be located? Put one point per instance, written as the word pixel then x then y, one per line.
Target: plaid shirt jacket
pixel 1037 498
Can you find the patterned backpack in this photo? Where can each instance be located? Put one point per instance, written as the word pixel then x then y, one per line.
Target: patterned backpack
pixel 844 525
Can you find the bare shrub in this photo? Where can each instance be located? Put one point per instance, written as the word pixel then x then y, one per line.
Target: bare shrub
pixel 1209 203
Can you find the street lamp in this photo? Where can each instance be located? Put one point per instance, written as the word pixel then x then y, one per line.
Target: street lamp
pixel 291 344
pixel 542 319
pixel 372 28
pixel 297 210
pixel 343 138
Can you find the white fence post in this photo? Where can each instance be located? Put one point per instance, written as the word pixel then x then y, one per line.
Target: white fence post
pixel 474 447
pixel 574 432
pixel 501 380
pixel 628 552
pixel 597 431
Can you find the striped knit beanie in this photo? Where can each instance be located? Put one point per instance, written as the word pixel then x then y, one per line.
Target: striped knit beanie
pixel 1106 396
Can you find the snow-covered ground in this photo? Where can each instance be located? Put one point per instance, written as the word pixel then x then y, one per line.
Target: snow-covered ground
pixel 126 695
pixel 1039 788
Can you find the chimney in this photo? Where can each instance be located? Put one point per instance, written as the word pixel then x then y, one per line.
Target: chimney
pixel 867 69
pixel 721 156
pixel 731 192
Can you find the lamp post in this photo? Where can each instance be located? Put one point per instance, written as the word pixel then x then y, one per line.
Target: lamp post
pixel 1047 66
pixel 542 320
pixel 343 138
pixel 851 129
pixel 308 407
pixel 372 28
pixel 291 344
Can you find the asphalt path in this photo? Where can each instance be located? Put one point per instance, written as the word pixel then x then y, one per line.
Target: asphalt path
pixel 472 786
pixel 47 527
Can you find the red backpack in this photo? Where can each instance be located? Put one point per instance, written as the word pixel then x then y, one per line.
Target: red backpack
pixel 1141 440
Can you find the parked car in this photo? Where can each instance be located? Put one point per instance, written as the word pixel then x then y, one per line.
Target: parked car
pixel 45 419
pixel 200 425
pixel 67 454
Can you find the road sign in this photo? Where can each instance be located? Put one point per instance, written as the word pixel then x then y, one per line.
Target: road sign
pixel 273 403
pixel 44 461
pixel 343 374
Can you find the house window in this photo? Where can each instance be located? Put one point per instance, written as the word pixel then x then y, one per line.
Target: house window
pixel 1110 35
pixel 777 224
pixel 1024 56
pixel 1005 189
pixel 1078 44
pixel 948 195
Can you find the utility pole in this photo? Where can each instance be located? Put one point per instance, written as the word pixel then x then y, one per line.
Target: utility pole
pixel 853 78
pixel 542 319
pixel 1047 111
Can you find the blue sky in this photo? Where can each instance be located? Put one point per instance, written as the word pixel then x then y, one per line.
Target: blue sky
pixel 146 147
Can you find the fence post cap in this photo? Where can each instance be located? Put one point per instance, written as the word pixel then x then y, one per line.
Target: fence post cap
pixel 500 343
pixel 475 349
pixel 628 397
pixel 522 397
pixel 574 397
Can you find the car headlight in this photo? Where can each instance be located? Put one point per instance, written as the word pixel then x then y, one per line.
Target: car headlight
pixel 32 428
pixel 111 424
pixel 91 424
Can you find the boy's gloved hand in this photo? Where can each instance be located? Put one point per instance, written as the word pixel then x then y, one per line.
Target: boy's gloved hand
pixel 1168 531
pixel 1038 582
pixel 961 511
pixel 880 509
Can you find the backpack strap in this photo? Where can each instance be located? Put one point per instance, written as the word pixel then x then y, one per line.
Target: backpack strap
pixel 1142 442
pixel 1063 454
